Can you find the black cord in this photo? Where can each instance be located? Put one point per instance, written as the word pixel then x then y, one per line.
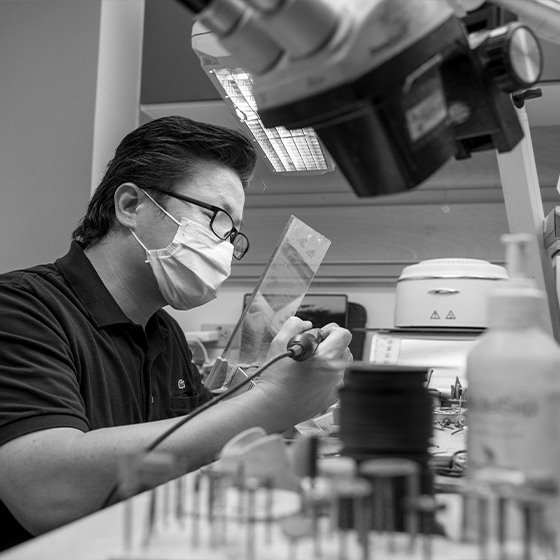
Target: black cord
pixel 217 399
pixel 194 6
pixel 201 409
pixel 454 468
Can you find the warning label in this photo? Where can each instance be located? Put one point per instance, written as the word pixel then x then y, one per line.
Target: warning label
pixel 435 315
pixel 450 315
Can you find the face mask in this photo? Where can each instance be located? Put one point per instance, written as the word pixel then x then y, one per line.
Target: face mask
pixel 192 268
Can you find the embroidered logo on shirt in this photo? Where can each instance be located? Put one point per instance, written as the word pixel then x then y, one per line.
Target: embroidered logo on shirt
pixel 181 384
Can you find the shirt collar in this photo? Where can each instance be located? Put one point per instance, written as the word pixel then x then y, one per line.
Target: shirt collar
pixel 82 277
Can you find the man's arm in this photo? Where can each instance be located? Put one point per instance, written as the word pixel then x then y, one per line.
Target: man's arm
pixel 55 476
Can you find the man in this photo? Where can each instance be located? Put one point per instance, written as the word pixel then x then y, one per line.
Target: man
pixel 91 367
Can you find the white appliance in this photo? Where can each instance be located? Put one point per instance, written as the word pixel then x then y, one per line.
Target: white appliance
pixel 442 293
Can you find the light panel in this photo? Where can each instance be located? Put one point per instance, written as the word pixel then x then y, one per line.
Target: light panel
pixel 286 150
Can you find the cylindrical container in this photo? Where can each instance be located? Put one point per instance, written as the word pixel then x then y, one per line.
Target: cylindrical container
pixel 443 293
pixel 513 374
pixel 386 412
pixel 513 377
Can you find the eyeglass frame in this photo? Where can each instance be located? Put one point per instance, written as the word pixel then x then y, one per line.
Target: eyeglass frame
pixel 229 236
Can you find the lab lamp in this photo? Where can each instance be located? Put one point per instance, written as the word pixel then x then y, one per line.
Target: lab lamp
pixel 296 151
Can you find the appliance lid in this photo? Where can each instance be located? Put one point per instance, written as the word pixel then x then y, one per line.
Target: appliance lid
pixel 453 268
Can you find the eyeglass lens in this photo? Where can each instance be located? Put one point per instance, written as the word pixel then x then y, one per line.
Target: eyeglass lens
pixel 240 246
pixel 222 226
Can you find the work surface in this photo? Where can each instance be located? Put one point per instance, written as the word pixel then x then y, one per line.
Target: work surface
pixel 186 537
pixel 217 514
pixel 173 523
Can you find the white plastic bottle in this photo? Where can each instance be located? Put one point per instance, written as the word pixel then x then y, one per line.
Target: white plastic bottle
pixel 513 376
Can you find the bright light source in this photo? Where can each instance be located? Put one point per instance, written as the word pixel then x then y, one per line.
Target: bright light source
pixel 287 150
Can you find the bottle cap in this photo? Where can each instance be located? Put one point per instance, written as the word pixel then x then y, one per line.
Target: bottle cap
pixel 518 303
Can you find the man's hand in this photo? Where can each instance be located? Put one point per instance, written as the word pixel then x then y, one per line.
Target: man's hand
pixel 297 391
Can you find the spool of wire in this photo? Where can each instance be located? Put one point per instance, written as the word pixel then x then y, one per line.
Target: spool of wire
pixel 386 412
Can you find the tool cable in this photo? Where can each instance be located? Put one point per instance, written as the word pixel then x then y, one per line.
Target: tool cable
pixel 300 347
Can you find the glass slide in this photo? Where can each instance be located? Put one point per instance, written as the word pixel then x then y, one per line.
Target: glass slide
pixel 276 297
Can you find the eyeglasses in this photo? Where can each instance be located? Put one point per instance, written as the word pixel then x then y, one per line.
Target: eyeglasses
pixel 221 223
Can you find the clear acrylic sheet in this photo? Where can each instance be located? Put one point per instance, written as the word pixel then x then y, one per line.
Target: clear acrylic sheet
pixel 277 296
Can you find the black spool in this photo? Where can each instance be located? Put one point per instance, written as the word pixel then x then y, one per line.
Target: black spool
pixel 386 412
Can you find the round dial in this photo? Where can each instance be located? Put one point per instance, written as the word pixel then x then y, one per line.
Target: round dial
pixel 514 57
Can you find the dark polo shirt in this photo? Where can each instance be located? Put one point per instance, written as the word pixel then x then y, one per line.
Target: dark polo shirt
pixel 69 357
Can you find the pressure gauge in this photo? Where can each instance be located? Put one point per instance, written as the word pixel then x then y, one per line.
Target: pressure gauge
pixel 513 57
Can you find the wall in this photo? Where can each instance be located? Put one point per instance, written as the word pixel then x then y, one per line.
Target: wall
pixel 48 67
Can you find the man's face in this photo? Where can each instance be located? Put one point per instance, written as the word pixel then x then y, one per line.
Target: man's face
pixel 214 184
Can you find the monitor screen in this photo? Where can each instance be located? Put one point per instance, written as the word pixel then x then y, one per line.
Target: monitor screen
pixel 321 309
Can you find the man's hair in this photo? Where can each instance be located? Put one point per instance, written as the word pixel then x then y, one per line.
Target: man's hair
pixel 163 153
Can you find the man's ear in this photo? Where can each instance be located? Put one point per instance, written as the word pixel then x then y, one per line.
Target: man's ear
pixel 128 198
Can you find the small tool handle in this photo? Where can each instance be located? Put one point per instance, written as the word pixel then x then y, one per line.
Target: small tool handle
pixel 303 345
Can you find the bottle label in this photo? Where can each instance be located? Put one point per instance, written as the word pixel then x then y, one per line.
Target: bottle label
pixel 505 406
pixel 513 431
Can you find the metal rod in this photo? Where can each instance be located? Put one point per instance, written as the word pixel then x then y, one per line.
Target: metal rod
pixel 196 510
pixel 151 520
pixel 502 527
pixel 483 528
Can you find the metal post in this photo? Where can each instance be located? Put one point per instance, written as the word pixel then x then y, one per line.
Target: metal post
pixel 525 214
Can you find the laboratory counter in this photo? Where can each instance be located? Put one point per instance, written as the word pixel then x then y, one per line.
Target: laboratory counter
pixel 213 514
pixel 174 521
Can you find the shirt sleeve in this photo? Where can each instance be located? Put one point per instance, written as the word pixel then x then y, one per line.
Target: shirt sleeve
pixel 38 382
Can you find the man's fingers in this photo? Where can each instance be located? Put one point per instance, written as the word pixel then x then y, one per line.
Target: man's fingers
pixel 347 356
pixel 328 328
pixel 336 337
pixel 292 326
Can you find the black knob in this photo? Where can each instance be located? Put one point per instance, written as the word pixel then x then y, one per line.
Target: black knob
pixel 520 97
pixel 303 345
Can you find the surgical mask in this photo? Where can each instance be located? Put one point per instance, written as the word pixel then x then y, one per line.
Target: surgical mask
pixel 192 268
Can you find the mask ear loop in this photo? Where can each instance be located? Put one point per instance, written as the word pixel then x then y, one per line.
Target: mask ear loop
pixel 142 245
pixel 164 211
pixel 160 207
